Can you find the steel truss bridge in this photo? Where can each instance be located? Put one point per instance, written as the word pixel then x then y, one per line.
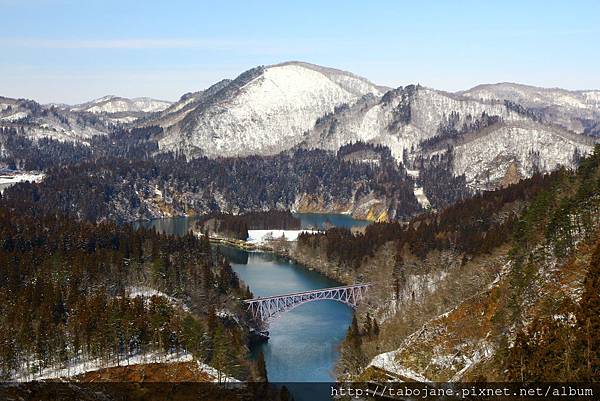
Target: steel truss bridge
pixel 264 309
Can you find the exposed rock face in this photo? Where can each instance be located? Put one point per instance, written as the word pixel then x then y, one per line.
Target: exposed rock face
pixel 366 207
pixel 511 176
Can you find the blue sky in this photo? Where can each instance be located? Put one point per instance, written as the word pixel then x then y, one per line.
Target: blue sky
pixel 72 50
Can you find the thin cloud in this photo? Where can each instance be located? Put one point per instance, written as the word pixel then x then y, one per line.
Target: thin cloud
pixel 156 43
pixel 297 46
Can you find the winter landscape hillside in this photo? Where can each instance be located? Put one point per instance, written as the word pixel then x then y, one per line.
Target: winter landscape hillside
pixel 299 201
pixel 476 209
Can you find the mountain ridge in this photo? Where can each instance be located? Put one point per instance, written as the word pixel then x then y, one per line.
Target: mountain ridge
pixel 291 105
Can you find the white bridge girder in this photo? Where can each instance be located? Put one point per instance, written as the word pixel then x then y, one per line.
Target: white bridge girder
pixel 264 309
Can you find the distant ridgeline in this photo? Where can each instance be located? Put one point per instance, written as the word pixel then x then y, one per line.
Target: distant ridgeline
pixel 120 177
pixel 237 226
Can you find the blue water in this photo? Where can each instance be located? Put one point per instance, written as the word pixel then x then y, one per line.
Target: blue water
pixel 320 221
pixel 323 221
pixel 303 343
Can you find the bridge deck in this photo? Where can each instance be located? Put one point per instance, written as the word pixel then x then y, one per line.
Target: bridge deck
pixel 292 294
pixel 266 308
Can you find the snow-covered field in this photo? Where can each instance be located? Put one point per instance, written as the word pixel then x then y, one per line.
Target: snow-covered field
pixel 6 180
pixel 84 366
pixel 75 368
pixel 262 236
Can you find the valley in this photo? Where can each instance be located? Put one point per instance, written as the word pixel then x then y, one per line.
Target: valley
pixel 473 214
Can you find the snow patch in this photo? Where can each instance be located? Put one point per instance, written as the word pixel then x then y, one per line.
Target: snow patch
pixel 421 197
pixel 262 236
pixel 387 361
pixel 147 292
pixel 79 367
pixel 8 180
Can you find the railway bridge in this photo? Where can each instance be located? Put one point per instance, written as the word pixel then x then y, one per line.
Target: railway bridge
pixel 264 309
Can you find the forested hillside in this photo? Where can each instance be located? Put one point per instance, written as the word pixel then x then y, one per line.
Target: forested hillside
pixel 73 291
pixel 499 287
pixel 118 178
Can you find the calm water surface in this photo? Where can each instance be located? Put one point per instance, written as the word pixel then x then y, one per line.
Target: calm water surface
pixel 303 343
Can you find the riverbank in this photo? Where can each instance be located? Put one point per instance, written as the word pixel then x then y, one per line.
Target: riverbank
pixel 271 268
pixel 288 250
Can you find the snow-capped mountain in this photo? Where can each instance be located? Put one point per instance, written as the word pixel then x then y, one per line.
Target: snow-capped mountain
pixel 178 110
pixel 121 110
pixel 510 151
pixel 578 111
pixel 115 104
pixel 36 121
pixel 490 140
pixel 491 134
pixel 484 138
pixel 263 111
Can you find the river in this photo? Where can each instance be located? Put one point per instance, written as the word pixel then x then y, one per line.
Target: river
pixel 303 343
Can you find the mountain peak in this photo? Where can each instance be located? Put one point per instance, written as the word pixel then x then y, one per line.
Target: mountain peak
pixel 263 111
pixel 115 104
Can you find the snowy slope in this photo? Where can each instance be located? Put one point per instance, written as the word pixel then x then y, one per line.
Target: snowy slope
pixel 120 110
pixel 7 180
pixel 527 145
pixel 264 111
pixel 114 104
pixel 36 121
pixel 186 104
pixel 405 117
pixel 401 120
pixel 577 111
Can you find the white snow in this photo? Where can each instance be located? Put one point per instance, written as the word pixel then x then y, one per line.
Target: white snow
pixel 15 116
pixel 215 373
pixel 485 159
pixel 115 104
pixel 387 361
pixel 261 236
pixel 79 367
pixel 269 114
pixel 562 107
pixel 147 292
pixel 421 197
pixel 8 180
pixel 75 368
pixel 413 173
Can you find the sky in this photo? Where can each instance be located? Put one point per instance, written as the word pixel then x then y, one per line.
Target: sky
pixel 71 51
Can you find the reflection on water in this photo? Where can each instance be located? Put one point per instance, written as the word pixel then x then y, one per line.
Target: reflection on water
pixel 322 221
pixel 319 221
pixel 171 225
pixel 234 255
